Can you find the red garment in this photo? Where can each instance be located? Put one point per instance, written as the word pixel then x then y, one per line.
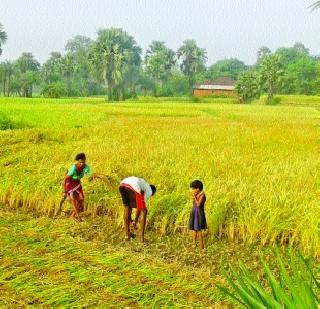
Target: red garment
pixel 141 204
pixel 72 185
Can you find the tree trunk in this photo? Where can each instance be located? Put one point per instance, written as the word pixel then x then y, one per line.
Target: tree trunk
pixel 68 85
pixel 8 91
pixel 4 86
pixel 133 90
pixel 270 92
pixel 110 90
pixel 190 79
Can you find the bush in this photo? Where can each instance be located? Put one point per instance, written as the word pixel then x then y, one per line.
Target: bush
pixel 54 90
pixel 6 123
pixel 194 99
pixel 274 101
pixel 248 87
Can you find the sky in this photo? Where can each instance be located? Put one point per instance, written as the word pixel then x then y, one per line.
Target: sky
pixel 225 28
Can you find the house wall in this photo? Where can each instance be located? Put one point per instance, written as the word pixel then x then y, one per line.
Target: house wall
pixel 210 92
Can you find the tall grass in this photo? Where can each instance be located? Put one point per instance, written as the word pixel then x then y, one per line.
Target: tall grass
pixel 259 164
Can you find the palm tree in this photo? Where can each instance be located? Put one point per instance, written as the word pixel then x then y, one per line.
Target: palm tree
pixel 315 5
pixel 68 68
pixel 6 73
pixel 193 60
pixel 159 62
pixel 270 69
pixel 28 68
pixel 112 56
pixel 3 37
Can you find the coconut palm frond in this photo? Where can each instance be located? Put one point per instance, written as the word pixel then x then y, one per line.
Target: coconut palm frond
pixel 315 6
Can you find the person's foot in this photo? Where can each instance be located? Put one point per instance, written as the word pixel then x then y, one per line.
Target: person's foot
pixel 144 242
pixel 75 219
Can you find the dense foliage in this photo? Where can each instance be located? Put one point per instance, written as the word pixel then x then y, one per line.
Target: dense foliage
pixel 113 64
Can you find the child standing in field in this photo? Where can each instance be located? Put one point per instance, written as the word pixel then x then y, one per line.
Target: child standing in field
pixel 197 221
pixel 72 185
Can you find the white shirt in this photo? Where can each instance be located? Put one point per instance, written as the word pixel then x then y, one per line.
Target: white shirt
pixel 138 185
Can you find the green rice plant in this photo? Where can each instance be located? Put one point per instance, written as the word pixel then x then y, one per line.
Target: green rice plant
pixel 295 286
pixel 6 123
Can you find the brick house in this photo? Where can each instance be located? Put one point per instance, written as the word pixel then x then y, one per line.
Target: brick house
pixel 220 86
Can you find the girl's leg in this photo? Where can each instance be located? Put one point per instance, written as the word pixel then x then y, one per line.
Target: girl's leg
pixel 195 234
pixel 74 213
pixel 75 205
pixel 81 202
pixel 201 240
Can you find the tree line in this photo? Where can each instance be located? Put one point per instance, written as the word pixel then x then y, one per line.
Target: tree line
pixel 113 65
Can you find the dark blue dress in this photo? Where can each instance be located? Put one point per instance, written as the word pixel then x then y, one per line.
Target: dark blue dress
pixel 197 219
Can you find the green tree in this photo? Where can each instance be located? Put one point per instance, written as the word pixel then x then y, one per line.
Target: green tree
pixel 271 73
pixel 54 90
pixel 3 37
pixel 68 68
pixel 193 60
pixel 287 55
pixel 301 48
pixel 262 52
pixel 112 56
pixel 176 85
pixel 248 86
pixel 26 81
pixel 145 83
pixel 27 71
pixel 78 44
pixel 159 62
pixel 299 70
pixel 131 73
pixel 7 70
pixel 51 70
pixel 301 75
pixel 79 48
pixel 225 67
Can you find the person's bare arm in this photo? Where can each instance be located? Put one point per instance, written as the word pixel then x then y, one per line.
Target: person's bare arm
pixel 137 217
pixel 199 199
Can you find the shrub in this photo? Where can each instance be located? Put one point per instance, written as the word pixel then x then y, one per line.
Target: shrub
pixel 5 122
pixel 54 90
pixel 274 101
pixel 194 99
pixel 248 87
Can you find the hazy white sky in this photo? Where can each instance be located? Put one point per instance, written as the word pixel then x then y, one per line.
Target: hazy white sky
pixel 225 28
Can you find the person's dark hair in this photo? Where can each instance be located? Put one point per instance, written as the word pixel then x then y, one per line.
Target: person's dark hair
pixel 153 189
pixel 196 184
pixel 80 156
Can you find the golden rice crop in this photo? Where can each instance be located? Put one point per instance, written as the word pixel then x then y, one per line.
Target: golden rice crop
pixel 259 163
